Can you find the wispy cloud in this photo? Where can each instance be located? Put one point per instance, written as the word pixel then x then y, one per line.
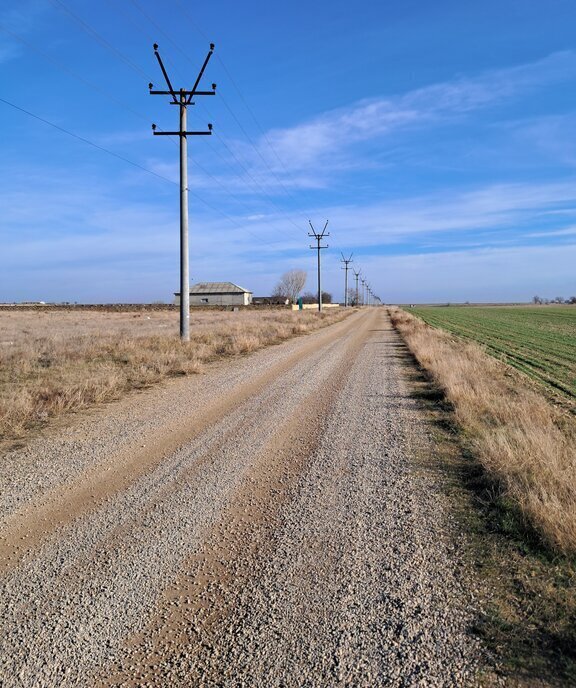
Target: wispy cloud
pixel 566 231
pixel 18 20
pixel 330 133
pixel 476 275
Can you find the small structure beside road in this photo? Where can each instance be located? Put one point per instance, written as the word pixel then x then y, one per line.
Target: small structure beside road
pixel 217 294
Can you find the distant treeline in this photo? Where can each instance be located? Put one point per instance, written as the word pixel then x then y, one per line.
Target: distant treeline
pixel 558 299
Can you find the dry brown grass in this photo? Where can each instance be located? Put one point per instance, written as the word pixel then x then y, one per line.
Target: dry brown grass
pixel 526 444
pixel 52 363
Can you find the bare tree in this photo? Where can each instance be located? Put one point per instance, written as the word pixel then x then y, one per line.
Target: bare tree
pixel 291 284
pixel 352 297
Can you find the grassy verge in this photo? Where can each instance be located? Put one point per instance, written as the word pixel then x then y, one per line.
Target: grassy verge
pixel 508 458
pixel 57 365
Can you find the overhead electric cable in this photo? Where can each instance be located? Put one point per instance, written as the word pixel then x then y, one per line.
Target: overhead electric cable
pixel 85 140
pixel 92 32
pixel 123 105
pixel 127 160
pixel 237 88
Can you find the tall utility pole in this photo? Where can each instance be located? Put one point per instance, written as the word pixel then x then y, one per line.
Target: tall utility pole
pixel 318 248
pixel 363 283
pixel 346 262
pixel 183 98
pixel 356 276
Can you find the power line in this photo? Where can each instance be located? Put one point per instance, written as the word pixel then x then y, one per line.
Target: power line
pixel 356 276
pixel 94 87
pixel 73 74
pixel 218 136
pixel 318 237
pixel 346 262
pixel 134 164
pixel 85 140
pixel 97 37
pixel 239 92
pixel 183 99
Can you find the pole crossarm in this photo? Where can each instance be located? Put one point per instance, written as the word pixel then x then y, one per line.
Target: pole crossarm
pixel 210 52
pixel 183 133
pixel 186 93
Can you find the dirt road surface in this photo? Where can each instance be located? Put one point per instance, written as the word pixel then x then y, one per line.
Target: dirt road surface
pixel 264 524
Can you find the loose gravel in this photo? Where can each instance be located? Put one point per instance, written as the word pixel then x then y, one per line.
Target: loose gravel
pixel 340 565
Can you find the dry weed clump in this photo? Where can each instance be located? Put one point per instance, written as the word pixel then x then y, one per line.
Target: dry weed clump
pixel 63 362
pixel 522 440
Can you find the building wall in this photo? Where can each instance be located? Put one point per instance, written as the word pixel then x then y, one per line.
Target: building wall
pixel 243 299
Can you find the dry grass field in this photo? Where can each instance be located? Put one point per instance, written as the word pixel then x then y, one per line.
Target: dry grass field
pixel 56 362
pixel 523 441
pixel 508 457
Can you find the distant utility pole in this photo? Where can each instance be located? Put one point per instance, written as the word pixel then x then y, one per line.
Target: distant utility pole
pixel 363 284
pixel 356 276
pixel 183 98
pixel 318 248
pixel 346 262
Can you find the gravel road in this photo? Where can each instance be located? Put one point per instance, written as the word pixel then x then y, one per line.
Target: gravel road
pixel 264 524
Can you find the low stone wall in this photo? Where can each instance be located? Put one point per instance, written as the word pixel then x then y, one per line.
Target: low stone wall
pixel 314 306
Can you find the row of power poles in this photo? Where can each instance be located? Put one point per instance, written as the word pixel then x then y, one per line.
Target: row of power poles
pixel 365 297
pixel 184 98
pixel 368 298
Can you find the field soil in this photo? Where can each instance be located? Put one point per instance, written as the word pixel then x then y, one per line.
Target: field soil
pixel 266 523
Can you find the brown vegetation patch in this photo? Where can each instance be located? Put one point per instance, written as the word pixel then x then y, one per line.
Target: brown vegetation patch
pixel 528 587
pixel 521 440
pixel 52 363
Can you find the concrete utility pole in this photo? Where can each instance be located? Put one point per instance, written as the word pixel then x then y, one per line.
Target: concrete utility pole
pixel 183 98
pixel 318 248
pixel 356 276
pixel 346 262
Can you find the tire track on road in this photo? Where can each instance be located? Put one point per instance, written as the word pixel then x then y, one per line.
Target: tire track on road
pixel 28 527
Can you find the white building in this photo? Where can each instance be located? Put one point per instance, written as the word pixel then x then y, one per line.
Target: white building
pixel 217 294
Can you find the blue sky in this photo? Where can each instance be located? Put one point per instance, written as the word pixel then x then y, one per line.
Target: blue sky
pixel 436 137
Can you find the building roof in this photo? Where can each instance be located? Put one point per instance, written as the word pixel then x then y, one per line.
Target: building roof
pixel 217 288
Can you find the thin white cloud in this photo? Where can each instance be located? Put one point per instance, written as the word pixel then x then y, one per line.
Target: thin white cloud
pixel 480 275
pixel 330 133
pixel 20 19
pixel 566 231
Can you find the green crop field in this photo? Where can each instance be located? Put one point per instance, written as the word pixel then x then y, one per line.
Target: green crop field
pixel 538 340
